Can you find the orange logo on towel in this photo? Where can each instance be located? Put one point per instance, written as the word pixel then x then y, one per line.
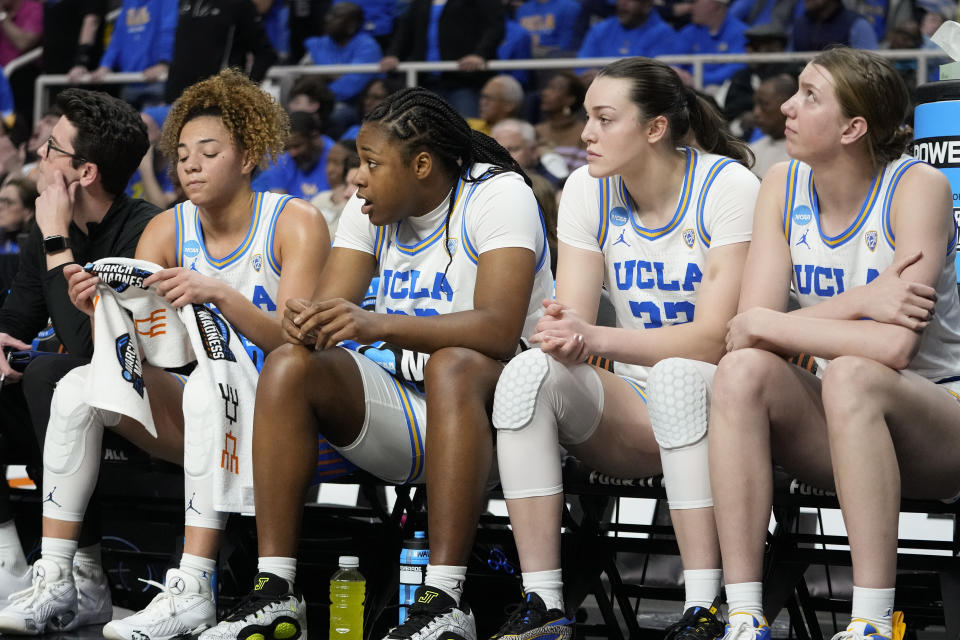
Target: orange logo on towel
pixel 228 457
pixel 156 321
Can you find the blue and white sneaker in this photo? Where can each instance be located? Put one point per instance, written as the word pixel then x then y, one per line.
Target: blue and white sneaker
pixel 534 621
pixel 863 630
pixel 744 626
pixel 697 623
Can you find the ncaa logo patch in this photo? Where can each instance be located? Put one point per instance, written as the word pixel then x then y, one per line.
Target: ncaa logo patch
pixel 191 249
pixel 618 216
pixel 870 237
pixel 452 246
pixel 689 237
pixel 802 215
pixel 257 262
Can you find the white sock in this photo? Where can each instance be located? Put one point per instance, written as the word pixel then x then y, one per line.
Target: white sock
pixel 286 568
pixel 200 568
pixel 88 556
pixel 11 551
pixel 873 606
pixel 701 587
pixel 745 599
pixel 447 578
pixel 60 551
pixel 546 584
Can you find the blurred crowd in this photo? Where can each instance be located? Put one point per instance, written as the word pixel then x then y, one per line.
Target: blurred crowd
pixel 536 115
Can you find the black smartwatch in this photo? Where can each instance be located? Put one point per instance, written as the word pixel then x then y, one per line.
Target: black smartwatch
pixel 55 244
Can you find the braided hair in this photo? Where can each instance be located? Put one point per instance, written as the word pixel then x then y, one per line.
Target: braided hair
pixel 423 121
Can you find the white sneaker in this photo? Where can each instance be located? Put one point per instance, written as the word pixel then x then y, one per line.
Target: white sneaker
pixel 11 582
pixel 49 604
pixel 181 607
pixel 94 602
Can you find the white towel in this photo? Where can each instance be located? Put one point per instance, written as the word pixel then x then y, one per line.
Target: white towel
pixel 132 324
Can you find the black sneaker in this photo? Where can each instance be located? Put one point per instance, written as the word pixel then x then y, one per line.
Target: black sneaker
pixel 697 623
pixel 533 620
pixel 271 610
pixel 434 615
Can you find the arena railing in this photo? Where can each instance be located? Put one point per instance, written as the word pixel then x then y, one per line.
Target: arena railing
pixel 286 75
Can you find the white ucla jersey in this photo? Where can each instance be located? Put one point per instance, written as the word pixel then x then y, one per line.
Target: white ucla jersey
pixel 251 268
pixel 653 275
pixel 825 266
pixel 427 265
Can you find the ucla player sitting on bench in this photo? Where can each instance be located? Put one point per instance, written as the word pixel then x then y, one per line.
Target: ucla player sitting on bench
pixel 242 251
pixel 447 220
pixel 665 227
pixel 866 237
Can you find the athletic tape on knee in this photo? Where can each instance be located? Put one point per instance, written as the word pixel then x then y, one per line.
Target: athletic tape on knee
pixel 678 400
pixel 71 452
pixel 539 405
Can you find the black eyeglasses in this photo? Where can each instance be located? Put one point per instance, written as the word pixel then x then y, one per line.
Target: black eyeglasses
pixel 53 147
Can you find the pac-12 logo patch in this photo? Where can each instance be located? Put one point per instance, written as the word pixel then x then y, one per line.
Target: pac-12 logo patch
pixel 191 249
pixel 802 215
pixel 130 363
pixel 870 237
pixel 452 246
pixel 689 237
pixel 257 262
pixel 618 216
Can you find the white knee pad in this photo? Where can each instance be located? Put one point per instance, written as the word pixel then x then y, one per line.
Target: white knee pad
pixel 539 405
pixel 198 409
pixel 678 400
pixel 198 443
pixel 71 452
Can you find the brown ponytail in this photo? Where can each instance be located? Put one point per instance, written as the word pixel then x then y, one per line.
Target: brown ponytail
pixel 658 90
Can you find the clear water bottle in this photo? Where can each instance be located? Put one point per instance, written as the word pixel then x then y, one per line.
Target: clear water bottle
pixel 414 557
pixel 347 588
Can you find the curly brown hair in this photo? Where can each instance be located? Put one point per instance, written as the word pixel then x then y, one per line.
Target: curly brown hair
pixel 256 122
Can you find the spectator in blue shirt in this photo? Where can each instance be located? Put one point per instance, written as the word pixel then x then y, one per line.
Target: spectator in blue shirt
pixel 344 43
pixel 152 181
pixel 517 45
pixel 827 22
pixel 275 16
pixel 378 18
pixel 713 30
pixel 635 30
pixel 301 170
pixel 551 24
pixel 7 112
pixel 376 92
pixel 142 40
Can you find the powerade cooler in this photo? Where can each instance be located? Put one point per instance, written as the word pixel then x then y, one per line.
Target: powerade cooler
pixel 936 124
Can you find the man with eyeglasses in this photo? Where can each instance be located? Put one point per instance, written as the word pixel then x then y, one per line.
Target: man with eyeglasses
pixel 82 215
